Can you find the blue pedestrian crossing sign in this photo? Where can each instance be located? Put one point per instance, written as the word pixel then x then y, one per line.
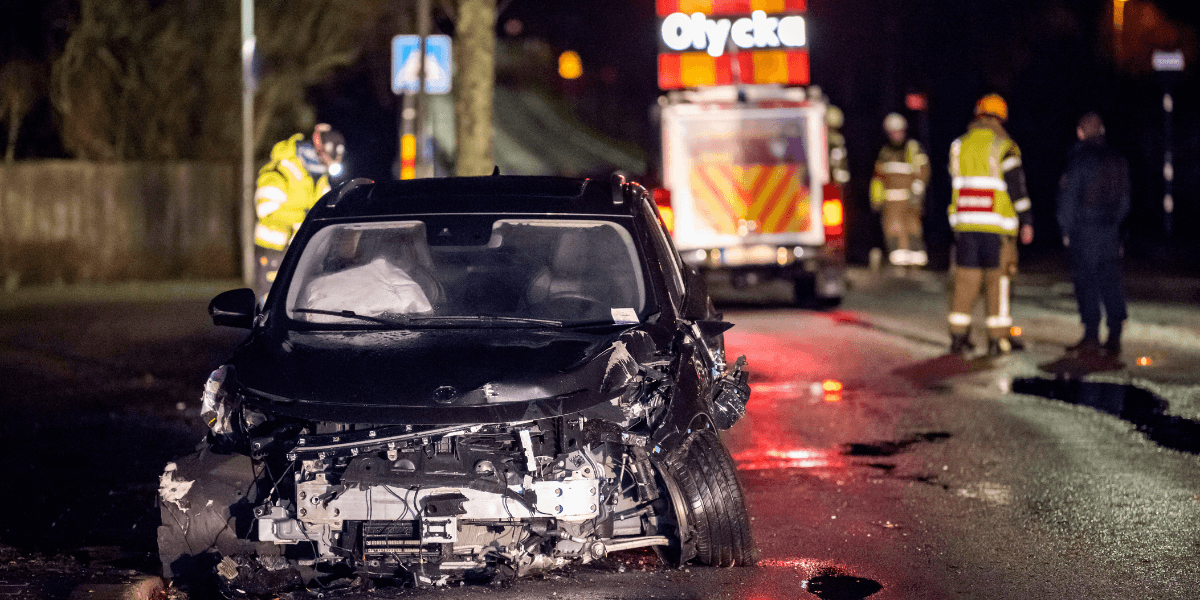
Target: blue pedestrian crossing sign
pixel 406 52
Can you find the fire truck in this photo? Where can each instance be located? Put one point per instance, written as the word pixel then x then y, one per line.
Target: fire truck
pixel 746 187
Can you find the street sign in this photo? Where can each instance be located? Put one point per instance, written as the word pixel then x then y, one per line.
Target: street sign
pixel 1168 61
pixel 406 50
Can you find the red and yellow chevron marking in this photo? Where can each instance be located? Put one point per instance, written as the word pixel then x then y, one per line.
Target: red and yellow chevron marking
pixel 729 7
pixel 771 195
pixel 694 69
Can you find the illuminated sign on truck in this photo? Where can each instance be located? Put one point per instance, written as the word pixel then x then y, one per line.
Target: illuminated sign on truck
pixel 681 32
pixel 730 42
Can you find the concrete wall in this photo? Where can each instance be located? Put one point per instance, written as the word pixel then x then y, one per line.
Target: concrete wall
pixel 74 221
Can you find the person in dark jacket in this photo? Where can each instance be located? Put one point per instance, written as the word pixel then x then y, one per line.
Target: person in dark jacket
pixel 1093 200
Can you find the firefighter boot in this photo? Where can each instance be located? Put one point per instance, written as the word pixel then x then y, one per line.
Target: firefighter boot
pixel 960 343
pixel 999 346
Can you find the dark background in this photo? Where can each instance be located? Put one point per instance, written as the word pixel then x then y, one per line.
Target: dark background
pixel 1052 60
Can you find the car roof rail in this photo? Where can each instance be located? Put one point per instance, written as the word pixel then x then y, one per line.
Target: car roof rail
pixel 346 188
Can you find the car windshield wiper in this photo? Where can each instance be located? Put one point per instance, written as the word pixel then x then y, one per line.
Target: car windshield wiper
pixel 349 314
pixel 482 319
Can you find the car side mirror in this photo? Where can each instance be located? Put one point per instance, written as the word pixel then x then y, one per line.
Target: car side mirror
pixel 234 308
pixel 695 301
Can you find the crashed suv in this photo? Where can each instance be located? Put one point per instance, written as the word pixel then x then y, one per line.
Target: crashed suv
pixel 463 378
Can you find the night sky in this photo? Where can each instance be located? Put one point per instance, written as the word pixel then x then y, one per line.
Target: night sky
pixel 1052 60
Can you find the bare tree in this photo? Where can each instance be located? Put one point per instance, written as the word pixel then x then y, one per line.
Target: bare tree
pixel 475 60
pixel 159 81
pixel 20 87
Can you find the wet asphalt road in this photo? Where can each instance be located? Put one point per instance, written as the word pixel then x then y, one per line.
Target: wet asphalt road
pixel 924 476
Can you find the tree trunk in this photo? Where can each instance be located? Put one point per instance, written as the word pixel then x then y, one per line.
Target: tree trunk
pixel 14 127
pixel 474 60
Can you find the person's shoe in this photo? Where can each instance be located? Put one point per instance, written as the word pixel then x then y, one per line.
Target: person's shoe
pixel 999 347
pixel 1112 345
pixel 960 343
pixel 1087 345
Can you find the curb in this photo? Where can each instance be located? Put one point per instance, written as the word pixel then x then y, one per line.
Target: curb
pixel 147 587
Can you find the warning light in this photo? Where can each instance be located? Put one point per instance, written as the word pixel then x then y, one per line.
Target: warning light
pixel 1015 331
pixel 570 66
pixel 833 397
pixel 1143 361
pixel 831 217
pixel 662 199
pixel 916 101
pixel 831 385
pixel 408 156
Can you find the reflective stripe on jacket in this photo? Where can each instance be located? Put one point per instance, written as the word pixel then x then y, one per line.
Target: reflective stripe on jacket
pixel 286 191
pixel 980 164
pixel 901 173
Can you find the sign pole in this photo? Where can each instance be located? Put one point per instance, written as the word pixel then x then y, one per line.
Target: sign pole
pixel 420 66
pixel 248 86
pixel 1168 64
pixel 424 166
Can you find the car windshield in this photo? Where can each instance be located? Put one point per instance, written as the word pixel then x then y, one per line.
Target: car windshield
pixel 527 272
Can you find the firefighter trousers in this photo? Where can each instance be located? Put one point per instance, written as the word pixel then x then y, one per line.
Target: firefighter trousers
pixel 983 263
pixel 902 232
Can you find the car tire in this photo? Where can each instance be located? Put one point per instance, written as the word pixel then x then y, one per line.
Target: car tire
pixel 716 507
pixel 804 291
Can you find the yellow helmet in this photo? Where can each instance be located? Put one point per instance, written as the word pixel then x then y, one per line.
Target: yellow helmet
pixel 994 105
pixel 834 117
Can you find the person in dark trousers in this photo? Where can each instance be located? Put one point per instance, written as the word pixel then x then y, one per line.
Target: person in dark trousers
pixel 1093 200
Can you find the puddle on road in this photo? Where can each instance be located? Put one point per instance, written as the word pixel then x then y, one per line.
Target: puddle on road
pixel 842 587
pixel 891 448
pixel 1130 403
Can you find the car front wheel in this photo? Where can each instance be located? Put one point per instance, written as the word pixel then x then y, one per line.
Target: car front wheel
pixel 716 507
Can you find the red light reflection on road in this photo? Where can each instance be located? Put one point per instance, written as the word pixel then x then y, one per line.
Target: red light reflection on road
pixel 810 564
pixel 759 458
pixel 789 382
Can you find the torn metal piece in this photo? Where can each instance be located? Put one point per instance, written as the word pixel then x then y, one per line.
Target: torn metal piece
pixel 172 488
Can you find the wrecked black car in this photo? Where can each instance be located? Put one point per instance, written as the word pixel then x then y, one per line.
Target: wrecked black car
pixel 463 379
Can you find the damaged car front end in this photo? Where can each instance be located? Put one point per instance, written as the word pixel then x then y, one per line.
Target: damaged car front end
pixel 521 379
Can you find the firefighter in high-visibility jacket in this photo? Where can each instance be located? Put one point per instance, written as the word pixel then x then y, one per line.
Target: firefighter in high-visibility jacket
pixel 898 192
pixel 288 186
pixel 989 207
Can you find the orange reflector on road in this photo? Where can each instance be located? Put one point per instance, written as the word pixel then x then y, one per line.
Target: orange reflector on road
pixel 1143 361
pixel 831 385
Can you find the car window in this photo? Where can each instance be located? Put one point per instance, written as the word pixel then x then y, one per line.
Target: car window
pixel 569 271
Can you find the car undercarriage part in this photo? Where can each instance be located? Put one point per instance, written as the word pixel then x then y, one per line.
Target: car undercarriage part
pixel 733 391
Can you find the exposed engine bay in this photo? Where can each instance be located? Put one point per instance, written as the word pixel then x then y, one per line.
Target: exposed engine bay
pixel 428 505
pixel 467 502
